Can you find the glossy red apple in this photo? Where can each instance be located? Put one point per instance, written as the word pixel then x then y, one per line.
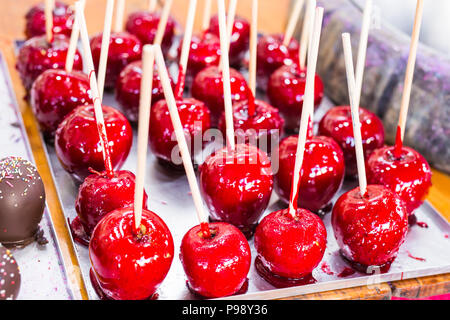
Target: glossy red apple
pixel 322 172
pixel 262 128
pixel 129 264
pixel 77 142
pixel 128 89
pixel 216 266
pixel 409 175
pixel 63 18
pixel 286 90
pixel 54 94
pixel 124 48
pixel 195 119
pixel 272 54
pixel 236 186
pixel 37 55
pixel 239 41
pixel 208 87
pixel 370 229
pixel 337 124
pixel 100 194
pixel 144 24
pixel 289 248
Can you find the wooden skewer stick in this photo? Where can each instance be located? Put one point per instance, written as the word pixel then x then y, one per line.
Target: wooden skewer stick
pixel 120 13
pixel 94 89
pixel 206 14
pixel 73 41
pixel 355 113
pixel 49 5
pixel 253 47
pixel 148 60
pixel 226 75
pixel 410 68
pixel 152 5
pixel 362 49
pixel 181 139
pixel 109 11
pixel 230 24
pixel 186 46
pixel 163 22
pixel 306 32
pixel 293 19
pixel 308 104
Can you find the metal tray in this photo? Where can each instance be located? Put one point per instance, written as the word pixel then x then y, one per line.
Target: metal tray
pixel 169 197
pixel 42 268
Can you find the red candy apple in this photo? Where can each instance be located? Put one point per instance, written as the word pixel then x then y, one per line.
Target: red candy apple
pixel 38 55
pixel 337 124
pixel 289 248
pixel 286 90
pixel 322 172
pixel 272 54
pixel 408 175
pixel 208 87
pixel 63 18
pixel 370 229
pixel 258 127
pixel 236 185
pixel 54 94
pixel 216 266
pixel 128 89
pixel 124 48
pixel 100 194
pixel 129 264
pixel 239 41
pixel 144 24
pixel 77 143
pixel 194 116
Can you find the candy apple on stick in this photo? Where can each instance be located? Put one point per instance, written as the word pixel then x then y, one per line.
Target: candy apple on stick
pixel 144 244
pixel 215 256
pixel 62 20
pixel 236 181
pixel 291 242
pixel 369 222
pixel 402 169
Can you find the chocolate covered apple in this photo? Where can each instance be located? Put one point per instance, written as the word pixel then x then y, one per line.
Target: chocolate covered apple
pixel 38 55
pixel 63 18
pixel 130 264
pixel 54 94
pixel 78 145
pixel 216 265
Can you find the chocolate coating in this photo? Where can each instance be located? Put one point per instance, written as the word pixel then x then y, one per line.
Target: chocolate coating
pixel 22 201
pixel 9 275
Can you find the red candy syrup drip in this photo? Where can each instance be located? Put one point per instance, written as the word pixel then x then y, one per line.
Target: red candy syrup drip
pixel 422 224
pixel 179 89
pixel 346 272
pixel 398 143
pixel 413 257
pixel 326 269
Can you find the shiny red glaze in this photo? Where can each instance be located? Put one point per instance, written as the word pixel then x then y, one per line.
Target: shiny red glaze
pixel 337 124
pixel 77 142
pixel 124 48
pixel 291 247
pixel 236 185
pixel 240 38
pixel 272 54
pixel 208 87
pixel 217 266
pixel 99 194
pixel 54 94
pixel 408 176
pixel 204 52
pixel 194 116
pixel 286 90
pixel 370 229
pixel 63 18
pixel 258 129
pixel 127 267
pixel 322 171
pixel 37 55
pixel 128 89
pixel 144 24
